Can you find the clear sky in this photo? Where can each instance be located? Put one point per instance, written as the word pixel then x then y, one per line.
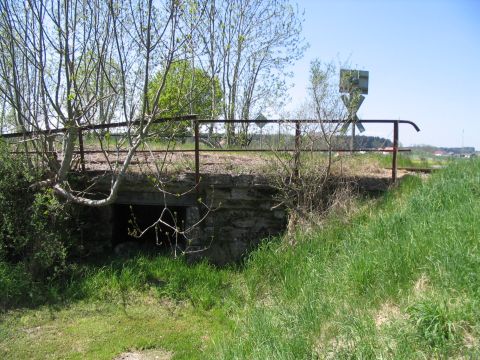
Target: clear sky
pixel 423 57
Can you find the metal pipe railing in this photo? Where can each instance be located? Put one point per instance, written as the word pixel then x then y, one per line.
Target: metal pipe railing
pixel 196 127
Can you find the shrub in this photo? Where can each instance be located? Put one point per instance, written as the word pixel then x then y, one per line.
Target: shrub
pixel 34 225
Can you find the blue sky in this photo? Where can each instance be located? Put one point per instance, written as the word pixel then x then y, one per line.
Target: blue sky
pixel 423 57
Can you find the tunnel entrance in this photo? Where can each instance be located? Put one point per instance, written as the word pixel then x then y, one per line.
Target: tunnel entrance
pixel 129 221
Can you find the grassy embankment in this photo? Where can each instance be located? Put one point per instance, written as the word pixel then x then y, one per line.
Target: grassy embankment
pixel 399 279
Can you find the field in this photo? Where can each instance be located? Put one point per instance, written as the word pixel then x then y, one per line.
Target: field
pixel 396 277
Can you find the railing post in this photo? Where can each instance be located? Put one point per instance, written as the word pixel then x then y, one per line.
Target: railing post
pixel 197 152
pixel 296 164
pixel 82 155
pixel 395 152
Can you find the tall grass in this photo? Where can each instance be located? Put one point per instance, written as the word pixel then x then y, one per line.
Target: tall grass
pixel 202 285
pixel 401 280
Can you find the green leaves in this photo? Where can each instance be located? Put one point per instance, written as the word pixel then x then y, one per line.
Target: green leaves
pixel 186 90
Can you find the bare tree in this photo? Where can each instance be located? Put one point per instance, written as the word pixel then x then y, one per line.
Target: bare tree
pixel 326 104
pixel 70 63
pixel 304 182
pixel 249 45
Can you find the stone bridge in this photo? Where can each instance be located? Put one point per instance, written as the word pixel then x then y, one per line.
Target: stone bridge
pixel 229 213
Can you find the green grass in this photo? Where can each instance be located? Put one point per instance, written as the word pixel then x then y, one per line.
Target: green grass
pixel 400 279
pixel 353 291
pixel 142 303
pixel 412 160
pixel 102 331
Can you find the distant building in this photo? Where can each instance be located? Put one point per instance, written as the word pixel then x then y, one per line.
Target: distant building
pixel 386 150
pixel 440 153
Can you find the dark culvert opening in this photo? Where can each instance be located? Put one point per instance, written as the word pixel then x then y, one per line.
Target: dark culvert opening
pixel 129 220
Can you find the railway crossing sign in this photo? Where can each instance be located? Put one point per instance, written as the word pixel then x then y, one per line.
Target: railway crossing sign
pixel 353 103
pixel 353 84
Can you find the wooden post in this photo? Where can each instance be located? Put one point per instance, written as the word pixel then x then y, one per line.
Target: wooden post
pixel 395 152
pixel 82 155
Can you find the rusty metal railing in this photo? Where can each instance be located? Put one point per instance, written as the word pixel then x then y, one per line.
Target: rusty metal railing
pixel 395 150
pixel 196 134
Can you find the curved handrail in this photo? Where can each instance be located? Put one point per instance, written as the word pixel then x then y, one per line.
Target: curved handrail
pixel 203 121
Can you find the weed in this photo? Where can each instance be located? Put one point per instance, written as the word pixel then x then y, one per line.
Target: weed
pixel 434 322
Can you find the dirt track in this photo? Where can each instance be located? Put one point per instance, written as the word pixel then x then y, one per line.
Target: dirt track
pixel 226 163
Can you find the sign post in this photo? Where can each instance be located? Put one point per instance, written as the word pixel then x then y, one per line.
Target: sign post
pixel 260 121
pixel 355 84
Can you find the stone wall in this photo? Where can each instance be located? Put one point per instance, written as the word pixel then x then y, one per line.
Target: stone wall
pixel 240 214
pixel 234 212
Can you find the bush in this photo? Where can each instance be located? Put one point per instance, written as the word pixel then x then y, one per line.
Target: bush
pixel 34 225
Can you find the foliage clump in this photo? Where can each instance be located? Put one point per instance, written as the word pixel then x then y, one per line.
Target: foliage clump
pixel 182 90
pixel 37 231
